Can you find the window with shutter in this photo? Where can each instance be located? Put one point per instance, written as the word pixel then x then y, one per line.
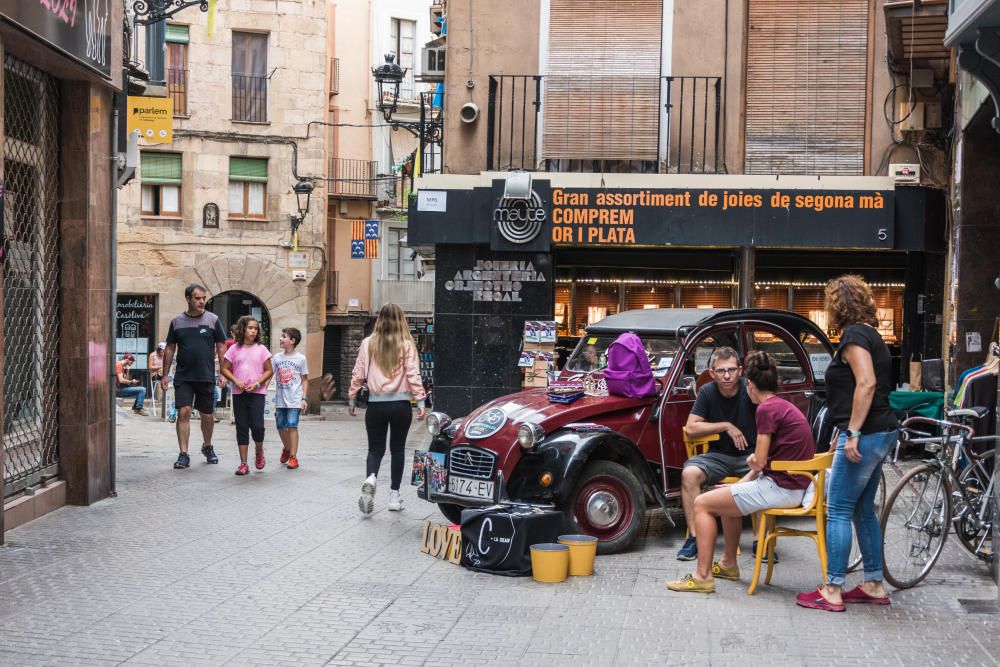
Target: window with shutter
pixel 602 85
pixel 247 186
pixel 807 65
pixel 160 174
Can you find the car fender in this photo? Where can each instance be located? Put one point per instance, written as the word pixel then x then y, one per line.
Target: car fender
pixel 564 454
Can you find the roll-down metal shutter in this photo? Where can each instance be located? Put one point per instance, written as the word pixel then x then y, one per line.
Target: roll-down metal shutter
pixel 602 84
pixel 807 65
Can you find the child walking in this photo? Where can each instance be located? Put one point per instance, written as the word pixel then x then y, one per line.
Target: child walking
pixel 247 365
pixel 292 373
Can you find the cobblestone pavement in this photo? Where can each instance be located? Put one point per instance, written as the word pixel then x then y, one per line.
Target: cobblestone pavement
pixel 202 567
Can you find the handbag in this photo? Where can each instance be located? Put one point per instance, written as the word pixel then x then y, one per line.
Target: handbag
pixel 361 398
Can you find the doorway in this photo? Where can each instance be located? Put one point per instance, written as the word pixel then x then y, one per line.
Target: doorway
pixel 234 304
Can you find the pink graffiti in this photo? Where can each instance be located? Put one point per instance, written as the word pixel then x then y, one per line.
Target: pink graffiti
pixel 64 10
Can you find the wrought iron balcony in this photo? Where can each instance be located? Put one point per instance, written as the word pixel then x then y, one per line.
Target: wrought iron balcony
pixel 177 82
pixel 352 178
pixel 606 123
pixel 250 98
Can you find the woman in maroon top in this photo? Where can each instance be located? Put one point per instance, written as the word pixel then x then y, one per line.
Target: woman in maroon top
pixel 783 434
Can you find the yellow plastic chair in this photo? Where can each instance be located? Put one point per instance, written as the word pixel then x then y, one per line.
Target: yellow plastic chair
pixel 767 533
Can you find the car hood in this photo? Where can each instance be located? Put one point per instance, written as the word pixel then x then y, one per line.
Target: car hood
pixel 533 407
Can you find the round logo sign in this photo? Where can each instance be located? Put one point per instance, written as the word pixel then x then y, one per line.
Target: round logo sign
pixel 486 424
pixel 520 220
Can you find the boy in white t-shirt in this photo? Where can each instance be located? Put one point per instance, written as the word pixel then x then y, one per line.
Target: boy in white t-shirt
pixel 292 375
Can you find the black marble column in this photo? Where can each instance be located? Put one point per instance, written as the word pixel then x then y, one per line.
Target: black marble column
pixel 477 341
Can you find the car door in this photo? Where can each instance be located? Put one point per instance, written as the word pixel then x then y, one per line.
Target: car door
pixel 680 394
pixel 795 378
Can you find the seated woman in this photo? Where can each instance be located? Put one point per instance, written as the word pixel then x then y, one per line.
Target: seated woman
pixel 783 434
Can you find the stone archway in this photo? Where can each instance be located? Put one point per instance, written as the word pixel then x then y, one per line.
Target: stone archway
pixel 241 273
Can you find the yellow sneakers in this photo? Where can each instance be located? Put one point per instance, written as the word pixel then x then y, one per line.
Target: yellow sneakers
pixel 721 572
pixel 691 585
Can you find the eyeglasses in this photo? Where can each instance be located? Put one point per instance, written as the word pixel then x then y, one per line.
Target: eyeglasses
pixel 733 370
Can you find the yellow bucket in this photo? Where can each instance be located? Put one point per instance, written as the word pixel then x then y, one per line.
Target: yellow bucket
pixel 549 563
pixel 582 552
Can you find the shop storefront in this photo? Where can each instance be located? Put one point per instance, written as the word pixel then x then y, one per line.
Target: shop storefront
pixel 59 87
pixel 581 247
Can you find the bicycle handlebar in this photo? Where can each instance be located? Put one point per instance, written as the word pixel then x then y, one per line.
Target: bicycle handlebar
pixel 941 423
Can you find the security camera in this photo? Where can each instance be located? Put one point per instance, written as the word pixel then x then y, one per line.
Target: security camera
pixel 469 112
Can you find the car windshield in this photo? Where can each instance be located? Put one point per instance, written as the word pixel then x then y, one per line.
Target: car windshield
pixel 591 354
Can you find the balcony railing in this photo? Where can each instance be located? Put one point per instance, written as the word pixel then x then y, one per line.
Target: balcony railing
pixel 606 123
pixel 177 89
pixel 250 98
pixel 413 296
pixel 352 178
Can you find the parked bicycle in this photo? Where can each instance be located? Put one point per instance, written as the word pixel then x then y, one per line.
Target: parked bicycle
pixel 955 488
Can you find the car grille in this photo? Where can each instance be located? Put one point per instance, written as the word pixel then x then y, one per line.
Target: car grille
pixel 468 462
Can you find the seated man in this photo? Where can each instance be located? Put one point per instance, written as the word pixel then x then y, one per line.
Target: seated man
pixel 722 407
pixel 128 387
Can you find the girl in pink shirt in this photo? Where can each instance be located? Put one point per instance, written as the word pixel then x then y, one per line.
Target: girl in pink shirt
pixel 247 365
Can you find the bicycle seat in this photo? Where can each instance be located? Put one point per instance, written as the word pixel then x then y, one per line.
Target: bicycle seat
pixel 971 413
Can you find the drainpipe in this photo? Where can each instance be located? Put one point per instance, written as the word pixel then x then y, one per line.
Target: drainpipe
pixel 113 291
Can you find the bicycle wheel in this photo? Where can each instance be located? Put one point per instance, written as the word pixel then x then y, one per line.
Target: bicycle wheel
pixel 915 525
pixel 854 560
pixel 976 537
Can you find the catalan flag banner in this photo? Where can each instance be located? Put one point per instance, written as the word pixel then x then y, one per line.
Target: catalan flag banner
pixel 364 239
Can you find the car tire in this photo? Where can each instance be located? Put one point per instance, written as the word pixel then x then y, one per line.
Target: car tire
pixel 451 512
pixel 609 504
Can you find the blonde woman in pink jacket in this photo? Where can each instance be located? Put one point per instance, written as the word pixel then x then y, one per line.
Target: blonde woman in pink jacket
pixel 388 361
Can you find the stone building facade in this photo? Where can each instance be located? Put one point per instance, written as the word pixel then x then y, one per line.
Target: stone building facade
pixel 215 206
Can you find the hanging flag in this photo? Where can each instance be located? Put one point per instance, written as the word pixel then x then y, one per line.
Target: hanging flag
pixel 358 230
pixel 357 249
pixel 371 229
pixel 364 239
pixel 371 249
pixel 211 17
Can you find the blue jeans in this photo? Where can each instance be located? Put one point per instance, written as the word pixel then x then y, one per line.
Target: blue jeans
pixel 138 392
pixel 851 498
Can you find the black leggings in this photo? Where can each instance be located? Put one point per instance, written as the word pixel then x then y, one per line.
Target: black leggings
pixel 396 417
pixel 248 409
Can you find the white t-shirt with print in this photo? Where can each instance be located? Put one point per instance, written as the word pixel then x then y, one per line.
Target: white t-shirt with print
pixel 288 372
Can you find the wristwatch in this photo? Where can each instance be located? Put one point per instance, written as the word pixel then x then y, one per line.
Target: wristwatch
pixel 851 435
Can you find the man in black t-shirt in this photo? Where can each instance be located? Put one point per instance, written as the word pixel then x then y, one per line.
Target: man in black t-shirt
pixel 198 339
pixel 724 408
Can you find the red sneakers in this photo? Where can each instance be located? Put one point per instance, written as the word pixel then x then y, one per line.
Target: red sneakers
pixel 285 454
pixel 857 595
pixel 815 600
pixel 293 463
pixel 243 469
pixel 259 461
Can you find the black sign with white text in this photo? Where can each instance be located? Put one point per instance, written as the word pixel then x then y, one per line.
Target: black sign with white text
pixel 79 28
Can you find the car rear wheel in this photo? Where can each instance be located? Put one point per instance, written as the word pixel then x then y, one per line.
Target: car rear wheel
pixel 607 503
pixel 451 512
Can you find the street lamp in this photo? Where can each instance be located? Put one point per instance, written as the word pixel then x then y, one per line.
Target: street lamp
pixel 303 191
pixel 428 129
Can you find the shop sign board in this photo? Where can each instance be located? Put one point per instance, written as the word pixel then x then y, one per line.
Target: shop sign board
pixel 775 218
pixel 495 280
pixel 152 118
pixel 135 324
pixel 79 28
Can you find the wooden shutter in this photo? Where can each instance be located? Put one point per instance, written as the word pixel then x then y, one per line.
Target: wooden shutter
pixel 248 169
pixel 807 66
pixel 602 85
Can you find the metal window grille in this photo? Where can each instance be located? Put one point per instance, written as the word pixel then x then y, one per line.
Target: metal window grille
pixel 30 276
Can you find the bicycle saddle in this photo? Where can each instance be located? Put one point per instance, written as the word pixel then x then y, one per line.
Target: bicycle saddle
pixel 972 413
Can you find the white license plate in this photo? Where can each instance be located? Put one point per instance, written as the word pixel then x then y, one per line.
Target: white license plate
pixel 473 488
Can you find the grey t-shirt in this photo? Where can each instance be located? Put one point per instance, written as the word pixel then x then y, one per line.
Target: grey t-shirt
pixel 288 372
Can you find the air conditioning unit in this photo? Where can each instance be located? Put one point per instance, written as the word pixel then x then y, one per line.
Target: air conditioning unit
pixel 433 63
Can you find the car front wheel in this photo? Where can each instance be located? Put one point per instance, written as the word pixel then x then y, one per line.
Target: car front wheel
pixel 607 503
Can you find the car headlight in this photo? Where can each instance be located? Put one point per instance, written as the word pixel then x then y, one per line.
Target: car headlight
pixel 529 434
pixel 437 422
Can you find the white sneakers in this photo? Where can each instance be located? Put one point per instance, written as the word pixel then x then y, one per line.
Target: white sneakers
pixel 366 503
pixel 395 502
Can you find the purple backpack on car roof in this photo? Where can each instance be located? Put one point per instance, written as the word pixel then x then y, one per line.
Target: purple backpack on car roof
pixel 628 372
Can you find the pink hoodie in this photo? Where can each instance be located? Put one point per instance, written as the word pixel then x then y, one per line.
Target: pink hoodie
pixel 404 383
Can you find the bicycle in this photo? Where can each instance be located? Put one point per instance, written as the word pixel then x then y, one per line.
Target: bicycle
pixel 955 487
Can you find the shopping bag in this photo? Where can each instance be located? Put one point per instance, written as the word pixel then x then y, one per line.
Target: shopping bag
pixel 915 375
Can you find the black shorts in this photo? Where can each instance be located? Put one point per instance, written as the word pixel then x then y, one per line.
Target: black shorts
pixel 201 394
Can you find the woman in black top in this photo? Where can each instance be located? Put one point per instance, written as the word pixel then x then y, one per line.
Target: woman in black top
pixel 858 382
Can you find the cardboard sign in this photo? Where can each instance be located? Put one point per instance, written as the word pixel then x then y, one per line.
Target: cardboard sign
pixel 152 118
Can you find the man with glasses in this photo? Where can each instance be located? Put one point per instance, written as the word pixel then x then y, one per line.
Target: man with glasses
pixel 724 408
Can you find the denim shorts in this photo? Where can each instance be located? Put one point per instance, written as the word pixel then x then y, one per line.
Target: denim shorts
pixel 286 418
pixel 763 494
